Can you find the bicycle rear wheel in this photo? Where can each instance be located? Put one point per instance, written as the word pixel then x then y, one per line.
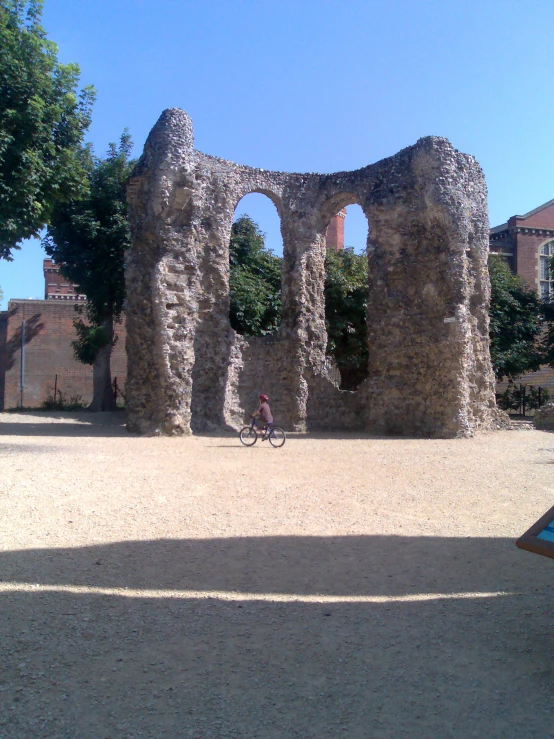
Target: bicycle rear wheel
pixel 277 437
pixel 248 436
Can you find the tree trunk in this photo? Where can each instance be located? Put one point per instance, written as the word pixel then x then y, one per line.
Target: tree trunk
pixel 102 399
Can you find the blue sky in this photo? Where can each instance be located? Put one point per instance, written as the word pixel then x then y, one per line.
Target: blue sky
pixel 319 86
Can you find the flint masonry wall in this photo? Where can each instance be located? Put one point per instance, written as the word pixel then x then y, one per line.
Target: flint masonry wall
pixel 429 364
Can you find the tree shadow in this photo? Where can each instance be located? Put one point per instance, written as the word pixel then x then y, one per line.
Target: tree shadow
pixel 7 449
pixel 304 565
pixel 10 347
pixel 33 327
pixel 63 423
pixel 177 664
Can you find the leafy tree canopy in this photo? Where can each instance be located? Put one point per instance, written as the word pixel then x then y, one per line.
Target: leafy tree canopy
pixel 255 281
pixel 88 237
pixel 43 118
pixel 346 294
pixel 515 323
pixel 255 287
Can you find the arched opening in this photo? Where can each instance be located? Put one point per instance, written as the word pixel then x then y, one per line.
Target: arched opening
pixel 346 294
pixel 256 265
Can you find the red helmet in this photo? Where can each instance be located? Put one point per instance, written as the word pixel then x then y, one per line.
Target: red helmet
pixel 264 398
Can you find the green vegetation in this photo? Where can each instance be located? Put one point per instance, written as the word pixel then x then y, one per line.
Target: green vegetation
pixel 88 236
pixel 255 281
pixel 62 402
pixel 516 323
pixel 511 399
pixel 255 287
pixel 521 326
pixel 43 119
pixel 346 293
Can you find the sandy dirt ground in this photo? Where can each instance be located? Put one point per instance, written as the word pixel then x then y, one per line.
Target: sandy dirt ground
pixel 341 586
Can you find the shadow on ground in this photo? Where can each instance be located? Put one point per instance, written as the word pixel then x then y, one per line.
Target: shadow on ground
pixel 93 665
pixel 85 423
pixel 62 423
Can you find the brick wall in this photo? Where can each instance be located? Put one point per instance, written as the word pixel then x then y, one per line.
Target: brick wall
pixel 527 250
pixel 543 377
pixel 520 239
pixel 334 236
pixel 49 332
pixel 543 217
pixel 57 287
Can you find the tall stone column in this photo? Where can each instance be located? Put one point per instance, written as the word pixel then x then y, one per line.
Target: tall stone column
pixel 303 325
pixel 213 334
pixel 429 367
pixel 162 281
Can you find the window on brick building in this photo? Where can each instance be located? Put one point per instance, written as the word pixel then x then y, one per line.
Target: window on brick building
pixel 546 276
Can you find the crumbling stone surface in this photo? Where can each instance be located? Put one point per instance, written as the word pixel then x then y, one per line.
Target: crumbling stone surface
pixel 429 364
pixel 544 418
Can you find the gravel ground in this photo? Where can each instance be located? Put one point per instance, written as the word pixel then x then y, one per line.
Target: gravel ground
pixel 342 586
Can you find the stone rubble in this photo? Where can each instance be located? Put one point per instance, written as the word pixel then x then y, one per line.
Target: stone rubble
pixel 544 418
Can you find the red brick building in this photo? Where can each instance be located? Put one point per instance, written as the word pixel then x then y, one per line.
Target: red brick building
pixel 36 352
pixel 526 242
pixel 334 235
pixel 56 287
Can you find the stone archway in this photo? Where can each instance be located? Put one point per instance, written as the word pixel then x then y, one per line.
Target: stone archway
pixel 429 367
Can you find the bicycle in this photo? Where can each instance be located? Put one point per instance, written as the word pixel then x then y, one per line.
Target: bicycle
pixel 249 435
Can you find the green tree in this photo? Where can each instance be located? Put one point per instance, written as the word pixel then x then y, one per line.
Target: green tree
pixel 516 323
pixel 254 282
pixel 346 294
pixel 43 119
pixel 255 291
pixel 87 237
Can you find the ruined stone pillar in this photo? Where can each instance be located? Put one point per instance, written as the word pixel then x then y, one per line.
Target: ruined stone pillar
pixel 429 363
pixel 303 324
pixel 162 281
pixel 213 334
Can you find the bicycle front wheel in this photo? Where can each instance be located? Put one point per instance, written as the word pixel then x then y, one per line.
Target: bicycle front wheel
pixel 277 437
pixel 248 436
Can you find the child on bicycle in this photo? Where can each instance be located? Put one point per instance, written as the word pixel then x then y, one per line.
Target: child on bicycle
pixel 264 412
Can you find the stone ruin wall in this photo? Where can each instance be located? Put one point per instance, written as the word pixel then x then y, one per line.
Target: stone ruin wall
pixel 427 253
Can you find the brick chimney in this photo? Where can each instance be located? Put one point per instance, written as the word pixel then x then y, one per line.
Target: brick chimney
pixel 335 231
pixel 57 287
